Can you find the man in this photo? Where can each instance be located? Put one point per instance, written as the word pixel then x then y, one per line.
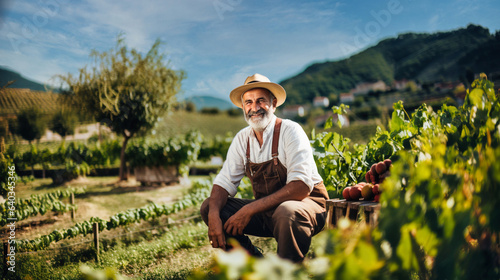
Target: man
pixel 276 155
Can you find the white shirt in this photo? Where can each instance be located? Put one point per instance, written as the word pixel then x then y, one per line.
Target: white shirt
pixel 294 152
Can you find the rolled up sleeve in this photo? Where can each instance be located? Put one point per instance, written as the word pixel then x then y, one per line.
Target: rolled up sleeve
pixel 299 160
pixel 233 169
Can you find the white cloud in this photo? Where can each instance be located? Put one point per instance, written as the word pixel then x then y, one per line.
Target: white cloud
pixel 434 22
pixel 218 49
pixel 275 40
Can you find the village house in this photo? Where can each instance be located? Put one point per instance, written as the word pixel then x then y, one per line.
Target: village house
pixel 321 101
pixel 400 85
pixel 346 98
pixel 293 111
pixel 365 88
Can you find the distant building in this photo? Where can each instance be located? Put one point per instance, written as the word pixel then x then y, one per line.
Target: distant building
pixel 321 101
pixel 400 85
pixel 364 88
pixel 346 98
pixel 447 86
pixel 293 111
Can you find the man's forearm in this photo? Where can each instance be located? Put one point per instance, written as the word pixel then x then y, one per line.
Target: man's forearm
pixel 295 190
pixel 218 198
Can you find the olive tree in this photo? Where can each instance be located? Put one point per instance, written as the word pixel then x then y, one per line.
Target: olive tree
pixel 125 90
pixel 31 123
pixel 64 122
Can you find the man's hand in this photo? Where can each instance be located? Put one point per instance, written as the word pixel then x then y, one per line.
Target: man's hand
pixel 237 222
pixel 218 199
pixel 216 233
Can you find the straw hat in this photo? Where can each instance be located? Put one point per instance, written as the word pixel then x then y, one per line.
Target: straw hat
pixel 258 81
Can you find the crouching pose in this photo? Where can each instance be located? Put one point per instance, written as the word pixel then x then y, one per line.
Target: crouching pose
pixel 275 154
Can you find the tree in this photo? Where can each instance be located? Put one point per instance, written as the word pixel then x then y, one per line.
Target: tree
pixel 190 107
pixel 64 122
pixel 31 124
pixel 125 90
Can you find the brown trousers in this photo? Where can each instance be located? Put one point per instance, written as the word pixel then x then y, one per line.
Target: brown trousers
pixel 292 224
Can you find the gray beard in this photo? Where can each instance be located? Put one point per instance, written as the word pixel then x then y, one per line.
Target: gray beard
pixel 261 122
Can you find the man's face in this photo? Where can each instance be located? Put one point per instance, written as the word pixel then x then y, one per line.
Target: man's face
pixel 257 107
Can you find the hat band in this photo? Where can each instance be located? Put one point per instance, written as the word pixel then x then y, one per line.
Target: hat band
pixel 251 82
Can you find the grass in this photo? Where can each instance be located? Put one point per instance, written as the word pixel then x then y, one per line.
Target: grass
pixel 157 249
pixel 173 253
pixel 181 122
pixel 103 198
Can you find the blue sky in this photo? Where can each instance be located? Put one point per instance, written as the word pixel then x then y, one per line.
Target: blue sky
pixel 218 42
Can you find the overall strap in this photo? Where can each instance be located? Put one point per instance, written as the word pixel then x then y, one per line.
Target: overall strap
pixel 248 150
pixel 276 136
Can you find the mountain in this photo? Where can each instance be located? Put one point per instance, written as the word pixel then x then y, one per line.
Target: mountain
pixel 7 75
pixel 201 102
pixel 423 57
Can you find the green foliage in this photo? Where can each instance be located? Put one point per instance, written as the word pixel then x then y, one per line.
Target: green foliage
pixel 218 146
pixel 126 90
pixel 31 157
pixel 190 107
pixel 439 208
pixel 180 150
pixel 7 170
pixel 64 122
pixel 37 204
pixel 78 159
pixel 237 262
pixel 99 155
pixel 194 197
pixel 411 56
pixel 210 111
pixel 105 274
pixel 234 112
pixel 31 124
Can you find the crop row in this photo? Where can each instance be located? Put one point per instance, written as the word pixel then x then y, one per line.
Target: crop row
pixel 151 211
pixel 21 209
pixel 13 100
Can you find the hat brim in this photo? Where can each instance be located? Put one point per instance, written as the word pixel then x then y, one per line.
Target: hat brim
pixel 277 90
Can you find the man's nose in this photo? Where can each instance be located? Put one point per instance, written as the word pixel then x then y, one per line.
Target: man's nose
pixel 255 106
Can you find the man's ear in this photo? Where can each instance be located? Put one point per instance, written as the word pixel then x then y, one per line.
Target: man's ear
pixel 275 101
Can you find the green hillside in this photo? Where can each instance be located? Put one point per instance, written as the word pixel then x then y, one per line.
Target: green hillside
pixel 201 102
pixel 414 56
pixel 19 81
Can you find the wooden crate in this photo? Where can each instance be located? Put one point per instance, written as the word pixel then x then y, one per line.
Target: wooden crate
pixel 338 208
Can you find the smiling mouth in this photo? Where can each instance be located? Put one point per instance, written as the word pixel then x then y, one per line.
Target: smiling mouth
pixel 259 113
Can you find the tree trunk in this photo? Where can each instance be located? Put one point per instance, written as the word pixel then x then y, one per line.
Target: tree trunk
pixel 123 176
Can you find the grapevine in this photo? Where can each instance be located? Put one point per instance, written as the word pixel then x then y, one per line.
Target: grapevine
pixel 38 204
pixel 439 209
pixel 199 192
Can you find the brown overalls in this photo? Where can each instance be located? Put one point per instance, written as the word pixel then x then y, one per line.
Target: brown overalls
pixel 292 223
